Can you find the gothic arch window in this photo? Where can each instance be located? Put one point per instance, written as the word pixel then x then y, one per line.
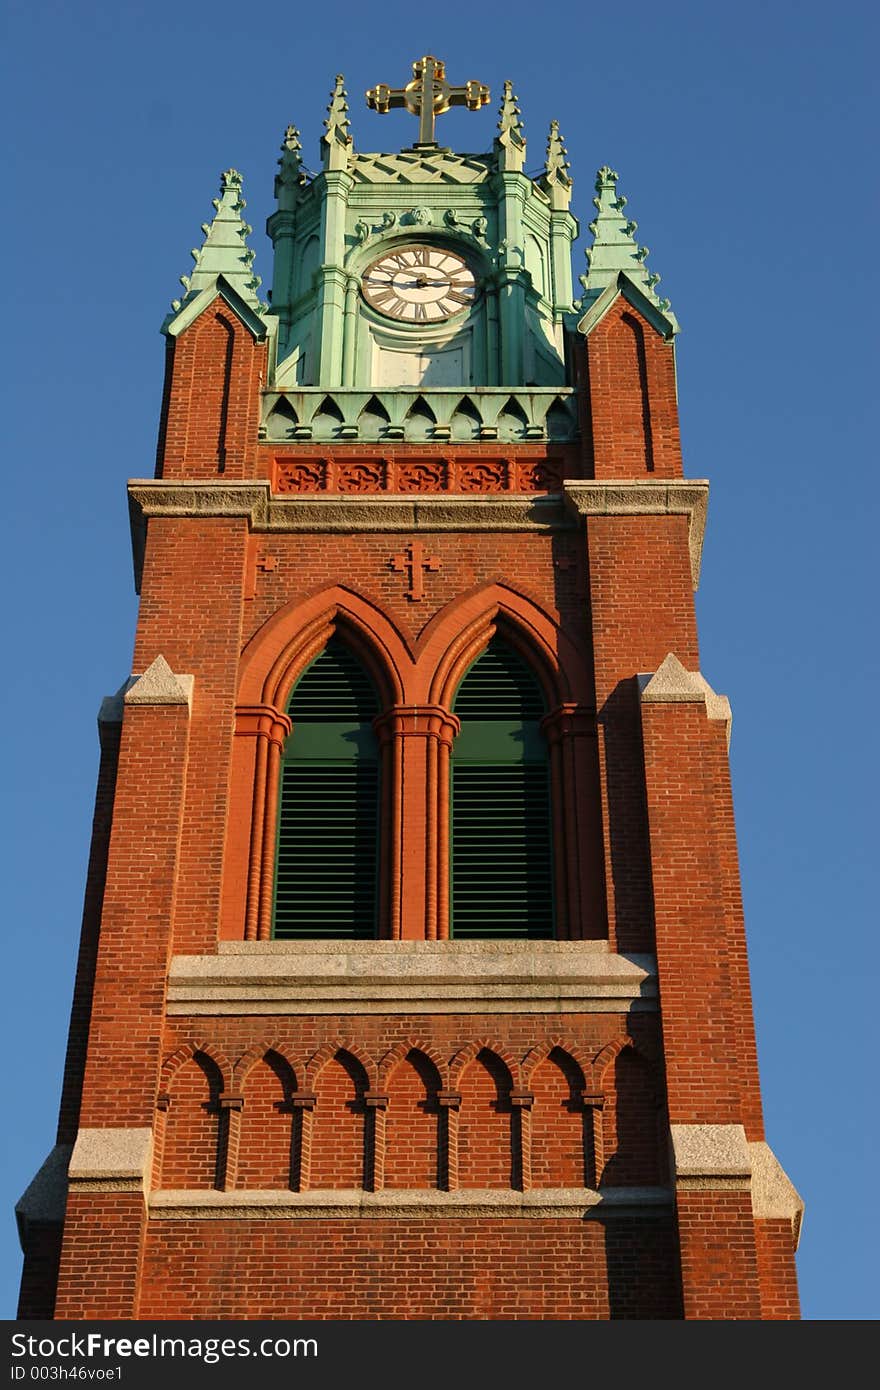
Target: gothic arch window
pixel 501 850
pixel 326 874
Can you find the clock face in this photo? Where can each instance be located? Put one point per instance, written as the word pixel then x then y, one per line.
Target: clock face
pixel 419 284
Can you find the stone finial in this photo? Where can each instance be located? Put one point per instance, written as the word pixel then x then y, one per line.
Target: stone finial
pixel 511 142
pixel 336 142
pixel 224 250
pixel 556 180
pixel 290 177
pixel 615 248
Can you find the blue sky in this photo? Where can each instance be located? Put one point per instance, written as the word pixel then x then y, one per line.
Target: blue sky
pixel 741 134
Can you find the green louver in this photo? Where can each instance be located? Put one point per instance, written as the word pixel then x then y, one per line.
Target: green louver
pixel 501 868
pixel 328 824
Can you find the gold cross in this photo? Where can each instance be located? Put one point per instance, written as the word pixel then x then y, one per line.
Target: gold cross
pixel 414 560
pixel 428 95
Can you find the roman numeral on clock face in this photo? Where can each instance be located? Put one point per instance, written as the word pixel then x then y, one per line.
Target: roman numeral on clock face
pixel 389 301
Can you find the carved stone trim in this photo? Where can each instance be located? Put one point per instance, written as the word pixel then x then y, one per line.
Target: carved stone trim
pixel 264 513
pixel 388 977
pixel 647 497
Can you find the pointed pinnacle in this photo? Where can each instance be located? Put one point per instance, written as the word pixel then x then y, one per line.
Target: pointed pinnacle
pixel 509 114
pixel 556 163
pixel 291 175
pixel 291 140
pixel 223 250
pixel 337 121
pixel 614 247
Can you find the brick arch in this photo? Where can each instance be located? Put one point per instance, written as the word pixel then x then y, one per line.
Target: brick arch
pixel 397 1054
pixel 488 1130
pixel 257 1053
pixel 468 1054
pixel 633 1127
pixel 538 1054
pixel 330 1050
pixel 189 1122
pixel 461 630
pixel 340 1130
pixel 271 664
pixel 279 652
pixel 607 1055
pixel 562 1142
pixel 413 1152
pixel 183 1054
pixel 265 1077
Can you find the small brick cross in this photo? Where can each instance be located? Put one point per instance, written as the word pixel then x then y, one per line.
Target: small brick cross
pixel 266 563
pixel 414 561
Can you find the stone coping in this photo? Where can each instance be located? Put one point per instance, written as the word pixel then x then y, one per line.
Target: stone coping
pixel 399 1203
pixel 412 977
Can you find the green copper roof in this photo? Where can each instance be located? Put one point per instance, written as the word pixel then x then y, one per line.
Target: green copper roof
pixel 224 250
pixel 615 249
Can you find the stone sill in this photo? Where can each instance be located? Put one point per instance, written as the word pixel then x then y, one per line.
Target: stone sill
pixel 568 1202
pixel 413 977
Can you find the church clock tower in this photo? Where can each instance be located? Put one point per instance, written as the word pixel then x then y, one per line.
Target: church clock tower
pixel 413 940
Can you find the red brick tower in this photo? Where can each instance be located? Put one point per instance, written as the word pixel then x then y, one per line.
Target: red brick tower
pixel 413 977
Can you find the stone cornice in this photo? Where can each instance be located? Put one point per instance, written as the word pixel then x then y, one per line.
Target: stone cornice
pixel 253 502
pixel 573 1203
pixel 412 977
pixel 646 497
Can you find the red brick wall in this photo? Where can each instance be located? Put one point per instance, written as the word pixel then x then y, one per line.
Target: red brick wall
pixel 101 1256
pixel 719 1271
pixel 129 996
pixel 633 405
pixel 777 1271
pixel 80 1014
pixel 413 1132
pixel 39 1276
pixel 192 1125
pixel 561 1138
pixel 485 1147
pixel 423 1269
pixel 340 1133
pixel 211 408
pixel 341 1128
pixel 266 1145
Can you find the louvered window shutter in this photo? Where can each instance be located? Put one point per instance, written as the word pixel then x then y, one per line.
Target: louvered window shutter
pixel 501 869
pixel 328 823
